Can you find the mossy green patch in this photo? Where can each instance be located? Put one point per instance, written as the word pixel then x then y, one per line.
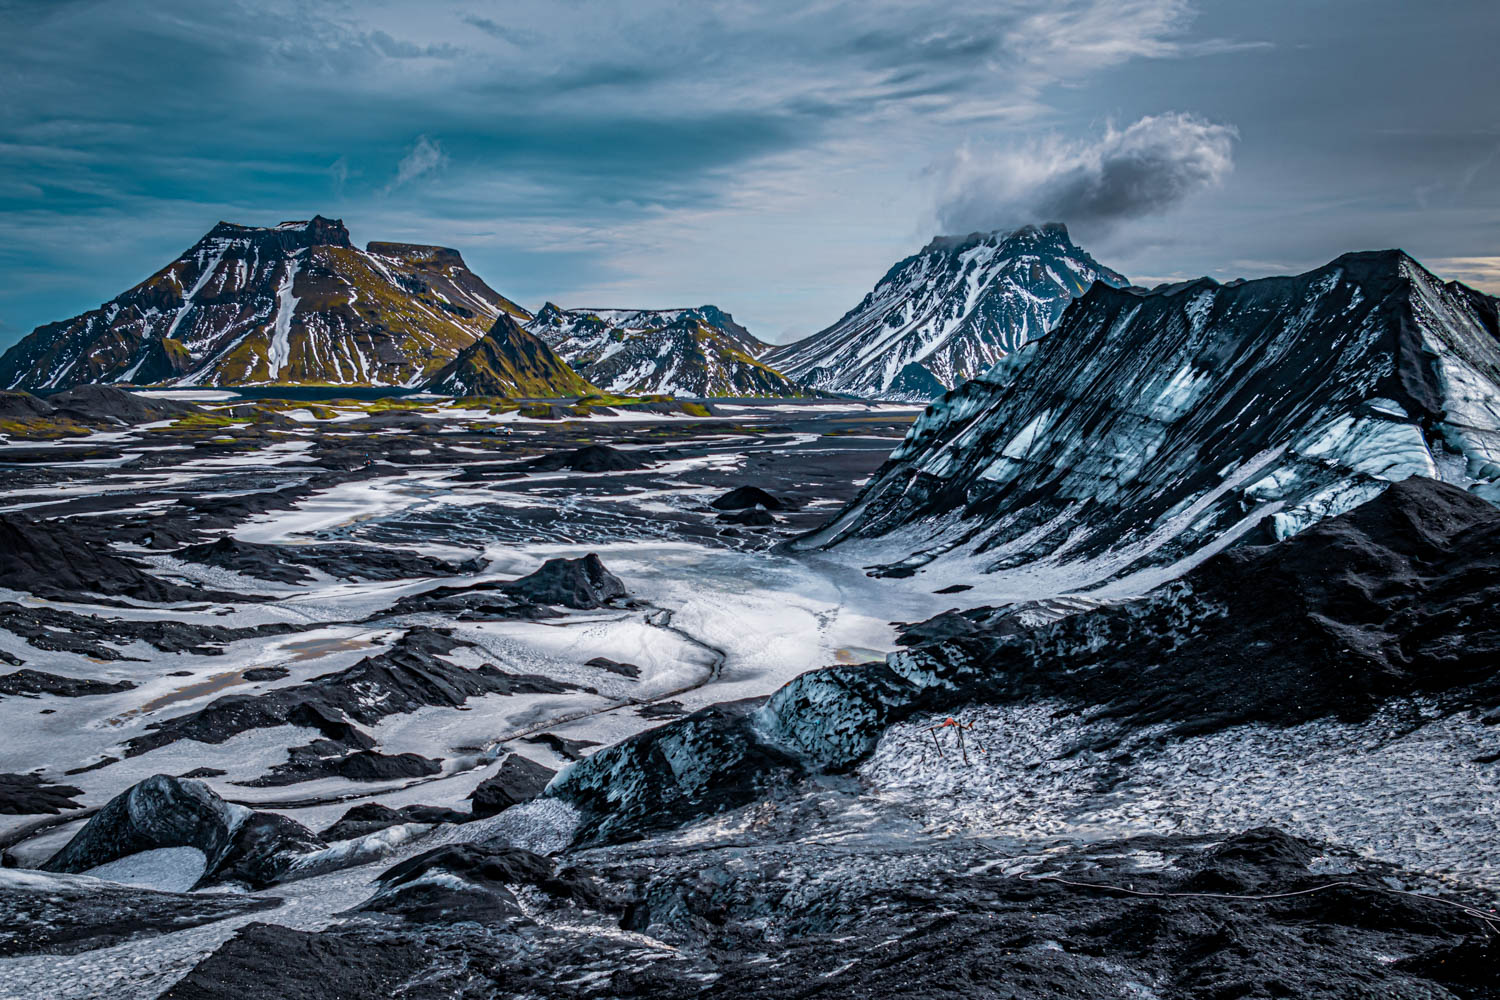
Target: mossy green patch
pixel 42 428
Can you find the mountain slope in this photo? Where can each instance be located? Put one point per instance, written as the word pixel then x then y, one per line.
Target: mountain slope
pixel 291 304
pixel 692 352
pixel 508 361
pixel 947 314
pixel 1155 425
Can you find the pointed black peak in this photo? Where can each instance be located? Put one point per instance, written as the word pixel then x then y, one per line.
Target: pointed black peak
pixel 505 325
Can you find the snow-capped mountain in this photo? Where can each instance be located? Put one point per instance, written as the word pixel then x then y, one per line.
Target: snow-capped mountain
pixel 290 304
pixel 947 314
pixel 1154 426
pixel 508 361
pixel 689 352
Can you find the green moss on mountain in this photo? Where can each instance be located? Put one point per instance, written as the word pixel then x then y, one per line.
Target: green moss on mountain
pixel 508 361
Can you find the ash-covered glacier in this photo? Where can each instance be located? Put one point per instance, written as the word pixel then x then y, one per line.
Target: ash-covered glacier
pixel 1153 427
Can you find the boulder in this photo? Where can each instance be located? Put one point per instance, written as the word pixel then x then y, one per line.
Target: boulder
pixel 593 458
pixel 574 583
pixel 239 844
pixel 745 497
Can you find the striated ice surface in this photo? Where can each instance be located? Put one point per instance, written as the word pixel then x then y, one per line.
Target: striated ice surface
pixel 1406 793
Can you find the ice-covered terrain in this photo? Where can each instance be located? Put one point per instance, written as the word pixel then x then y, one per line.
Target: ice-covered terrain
pixel 423 697
pixel 1150 428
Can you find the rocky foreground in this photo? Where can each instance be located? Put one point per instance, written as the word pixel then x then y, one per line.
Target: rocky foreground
pixel 1274 777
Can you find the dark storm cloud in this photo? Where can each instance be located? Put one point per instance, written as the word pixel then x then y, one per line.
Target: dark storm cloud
pixel 1145 169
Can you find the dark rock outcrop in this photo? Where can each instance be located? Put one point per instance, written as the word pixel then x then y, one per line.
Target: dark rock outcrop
pixel 291 563
pixel 28 794
pixel 108 404
pixel 239 844
pixel 593 458
pixel 94 636
pixel 754 517
pixel 35 682
pixel 372 817
pixel 561 745
pixel 54 560
pixel 66 918
pixel 517 780
pixel 573 583
pixel 332 759
pixel 614 666
pixel 709 761
pixel 488 873
pixel 408 676
pixel 265 961
pixel 874 922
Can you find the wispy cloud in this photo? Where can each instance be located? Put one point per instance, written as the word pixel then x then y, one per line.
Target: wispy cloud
pixel 1144 169
pixel 425 156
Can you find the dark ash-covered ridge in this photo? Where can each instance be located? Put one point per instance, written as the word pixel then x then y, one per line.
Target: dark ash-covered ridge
pixel 1150 424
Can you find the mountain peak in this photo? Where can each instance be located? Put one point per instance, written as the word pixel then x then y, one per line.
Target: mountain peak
pixel 693 351
pixel 952 310
pixel 293 303
pixel 1052 232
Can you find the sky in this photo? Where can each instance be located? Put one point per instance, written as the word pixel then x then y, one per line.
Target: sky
pixel 771 158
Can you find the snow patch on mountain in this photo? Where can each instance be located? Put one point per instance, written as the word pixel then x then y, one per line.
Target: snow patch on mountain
pixel 691 352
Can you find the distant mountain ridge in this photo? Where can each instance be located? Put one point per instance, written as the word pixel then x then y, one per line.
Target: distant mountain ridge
pixel 292 304
pixel 697 351
pixel 1152 426
pixel 946 314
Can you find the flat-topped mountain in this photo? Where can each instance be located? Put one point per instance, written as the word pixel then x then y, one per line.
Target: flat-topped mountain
pixel 947 314
pixel 293 304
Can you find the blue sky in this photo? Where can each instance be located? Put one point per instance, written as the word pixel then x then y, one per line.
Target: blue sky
pixel 771 158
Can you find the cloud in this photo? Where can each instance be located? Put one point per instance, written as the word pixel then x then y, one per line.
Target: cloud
pixel 400 48
pixel 425 157
pixel 1144 169
pixel 496 30
pixel 339 171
